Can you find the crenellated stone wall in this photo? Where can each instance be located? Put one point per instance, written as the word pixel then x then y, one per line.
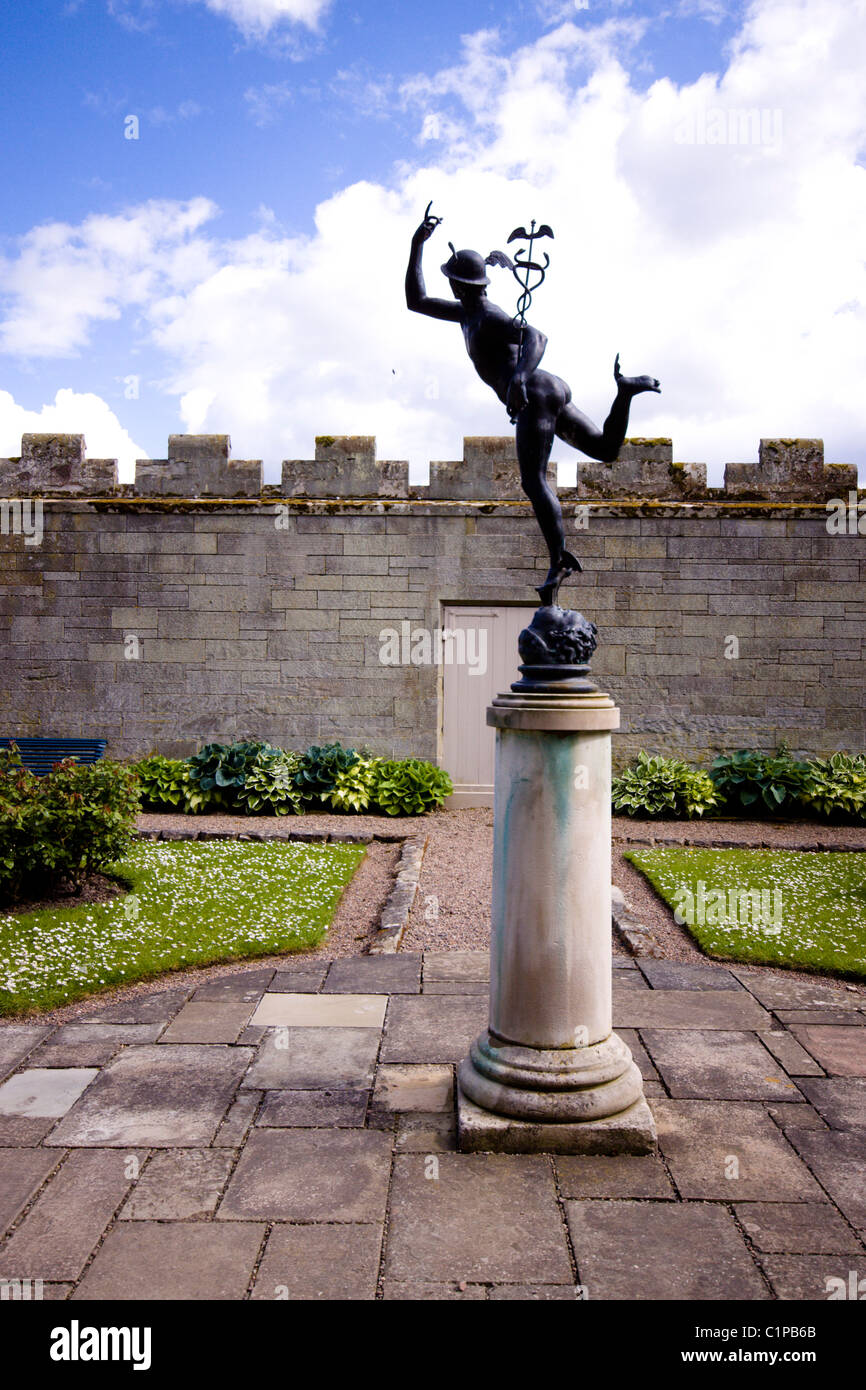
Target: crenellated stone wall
pixel 197 603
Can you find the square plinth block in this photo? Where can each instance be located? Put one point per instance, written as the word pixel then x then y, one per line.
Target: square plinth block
pixel 633 1131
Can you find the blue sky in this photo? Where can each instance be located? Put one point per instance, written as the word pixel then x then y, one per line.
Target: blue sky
pixel 225 269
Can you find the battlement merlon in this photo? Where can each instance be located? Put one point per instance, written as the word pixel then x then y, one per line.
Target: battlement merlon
pixel 346 466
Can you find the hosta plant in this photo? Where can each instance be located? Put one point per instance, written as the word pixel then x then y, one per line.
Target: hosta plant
pixel 656 786
pixel 753 782
pixel 319 769
pixel 221 768
pixel 270 786
pixel 166 785
pixel 836 787
pixel 355 787
pixel 410 787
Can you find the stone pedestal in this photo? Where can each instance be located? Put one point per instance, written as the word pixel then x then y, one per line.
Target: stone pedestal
pixel 549 1075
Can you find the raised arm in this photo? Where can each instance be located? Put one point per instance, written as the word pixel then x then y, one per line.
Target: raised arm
pixel 417 298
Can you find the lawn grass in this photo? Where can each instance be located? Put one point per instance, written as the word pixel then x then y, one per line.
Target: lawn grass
pixel 801 909
pixel 188 904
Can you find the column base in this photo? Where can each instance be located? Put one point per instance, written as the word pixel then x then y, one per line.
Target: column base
pixel 518 1099
pixel 633 1131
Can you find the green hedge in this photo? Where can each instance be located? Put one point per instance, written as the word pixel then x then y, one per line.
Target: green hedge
pixel 57 829
pixel 255 778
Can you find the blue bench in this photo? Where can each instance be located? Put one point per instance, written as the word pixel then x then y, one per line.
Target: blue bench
pixel 40 754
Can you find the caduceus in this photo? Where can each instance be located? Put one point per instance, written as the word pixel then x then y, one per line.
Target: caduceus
pixel 506 352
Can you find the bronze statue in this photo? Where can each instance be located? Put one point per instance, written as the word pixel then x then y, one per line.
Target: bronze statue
pixel 506 353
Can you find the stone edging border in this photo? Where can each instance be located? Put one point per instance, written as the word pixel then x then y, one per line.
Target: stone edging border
pixel 637 938
pixel 394 915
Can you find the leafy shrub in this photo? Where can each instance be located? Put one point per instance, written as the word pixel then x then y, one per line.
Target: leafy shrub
pixel 72 822
pixel 166 784
pixel 410 787
pixel 656 786
pixel 221 768
pixel 751 781
pixel 836 787
pixel 270 785
pixel 355 787
pixel 319 769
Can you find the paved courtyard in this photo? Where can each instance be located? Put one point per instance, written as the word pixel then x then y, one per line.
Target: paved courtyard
pixel 290 1133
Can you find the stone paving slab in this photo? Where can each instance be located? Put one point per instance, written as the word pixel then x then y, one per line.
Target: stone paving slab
pixel 481 987
pixel 841 1051
pixel 310 1175
pixel 816 1277
pixel 314 1059
pixel 670 1008
pixel 22 1172
pixel 716 1065
pixel 314 1110
pixel 456 965
pixel 321 1010
pixel 626 1176
pixel 243 987
pixel 44 1092
pixel 840 1101
pixel 392 974
pixel 90 1044
pixel 686 1251
pixel 838 1160
pixel 395 1290
pixel 159 1007
pixel 236 1125
pixel 210 1021
pixel 792 1114
pixel 796 1228
pixel 790 1054
pixel 299 975
pixel 174 1260
pixel 320 1262
pixel 731 1151
pixel 669 974
pixel 632 1039
pixel 833 1017
pixel 533 1293
pixel 162 1096
pixel 426 1133
pixel 179 1185
pixel 477 1218
pixel 414 1087
pixel 786 992
pixel 56 1237
pixel 16 1040
pixel 432 1028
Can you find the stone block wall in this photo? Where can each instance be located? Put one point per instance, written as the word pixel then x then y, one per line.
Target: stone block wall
pixel 198 604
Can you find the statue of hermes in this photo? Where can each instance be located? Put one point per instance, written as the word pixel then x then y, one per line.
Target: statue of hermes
pixel 506 355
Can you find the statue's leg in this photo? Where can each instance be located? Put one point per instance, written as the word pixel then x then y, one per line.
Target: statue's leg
pixel 579 431
pixel 534 437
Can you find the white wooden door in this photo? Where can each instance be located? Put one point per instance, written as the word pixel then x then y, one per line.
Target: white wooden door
pixel 467 744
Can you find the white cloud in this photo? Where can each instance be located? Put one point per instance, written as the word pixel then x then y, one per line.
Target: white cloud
pixel 71 412
pixel 734 271
pixel 67 278
pixel 264 103
pixel 256 18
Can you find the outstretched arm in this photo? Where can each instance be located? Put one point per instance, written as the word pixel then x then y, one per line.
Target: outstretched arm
pixel 417 298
